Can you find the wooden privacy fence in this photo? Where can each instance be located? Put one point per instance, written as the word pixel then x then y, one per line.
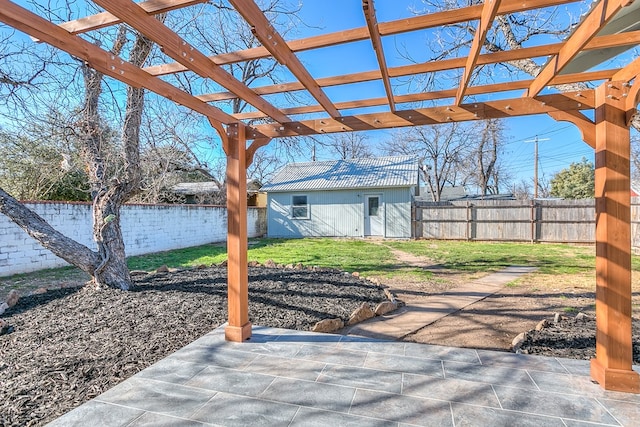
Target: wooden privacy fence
pixel 553 221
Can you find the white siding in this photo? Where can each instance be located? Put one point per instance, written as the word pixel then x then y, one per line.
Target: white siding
pixel 338 213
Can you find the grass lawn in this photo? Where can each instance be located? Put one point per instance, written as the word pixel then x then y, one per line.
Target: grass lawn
pixel 371 258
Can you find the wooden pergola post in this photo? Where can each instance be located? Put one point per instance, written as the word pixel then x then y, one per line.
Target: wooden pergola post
pixel 611 367
pixel 239 327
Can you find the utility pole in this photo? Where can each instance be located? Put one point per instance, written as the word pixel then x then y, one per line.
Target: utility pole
pixel 535 163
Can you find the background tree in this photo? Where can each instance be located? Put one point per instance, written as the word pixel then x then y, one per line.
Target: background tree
pixel 575 182
pixel 439 148
pixel 112 164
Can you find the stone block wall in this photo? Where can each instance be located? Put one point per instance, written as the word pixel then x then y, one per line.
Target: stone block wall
pixel 147 229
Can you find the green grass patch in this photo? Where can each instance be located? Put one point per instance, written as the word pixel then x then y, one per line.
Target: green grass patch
pixel 489 257
pixel 349 255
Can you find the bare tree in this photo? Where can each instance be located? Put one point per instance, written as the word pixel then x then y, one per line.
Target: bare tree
pixel 350 145
pixel 440 149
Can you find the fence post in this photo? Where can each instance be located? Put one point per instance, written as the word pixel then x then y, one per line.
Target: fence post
pixel 533 221
pixel 468 229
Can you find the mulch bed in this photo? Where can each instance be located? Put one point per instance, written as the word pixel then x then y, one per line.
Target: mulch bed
pixel 70 345
pixel 573 338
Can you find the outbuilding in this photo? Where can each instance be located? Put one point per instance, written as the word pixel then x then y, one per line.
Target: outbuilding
pixel 368 197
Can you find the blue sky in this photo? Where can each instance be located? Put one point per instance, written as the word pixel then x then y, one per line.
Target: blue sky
pixel 560 142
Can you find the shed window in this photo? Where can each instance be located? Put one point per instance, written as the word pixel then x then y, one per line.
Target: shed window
pixel 299 207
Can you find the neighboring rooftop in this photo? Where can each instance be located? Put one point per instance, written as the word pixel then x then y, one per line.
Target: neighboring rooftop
pixel 380 172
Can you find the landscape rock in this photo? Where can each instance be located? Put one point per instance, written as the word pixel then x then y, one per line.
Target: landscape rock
pixel 361 313
pixel 581 317
pixel 223 263
pixel 201 266
pixel 518 341
pixel 389 295
pixel 385 307
pixel 133 273
pixel 3 307
pixel 5 328
pixel 355 274
pixel 162 269
pixel 298 266
pixel 254 264
pixel 39 291
pixel 328 325
pixel 12 298
pixel 557 318
pixel 542 324
pixel 289 266
pixel 270 263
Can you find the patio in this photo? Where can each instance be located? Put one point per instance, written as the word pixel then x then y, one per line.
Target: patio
pixel 285 377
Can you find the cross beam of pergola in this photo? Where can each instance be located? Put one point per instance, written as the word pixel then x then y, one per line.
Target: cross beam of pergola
pixel 612 104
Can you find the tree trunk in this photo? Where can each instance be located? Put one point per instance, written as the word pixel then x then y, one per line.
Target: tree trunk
pixel 108 265
pixel 35 226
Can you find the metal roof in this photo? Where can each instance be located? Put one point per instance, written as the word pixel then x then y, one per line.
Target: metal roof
pixel 381 172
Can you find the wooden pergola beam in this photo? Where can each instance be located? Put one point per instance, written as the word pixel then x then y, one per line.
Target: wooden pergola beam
pixel 544 104
pixel 177 48
pixel 440 94
pixel 489 10
pixel 275 44
pixel 601 42
pixel 629 72
pixel 374 34
pixel 101 60
pixel 597 18
pixel 430 20
pixel 106 19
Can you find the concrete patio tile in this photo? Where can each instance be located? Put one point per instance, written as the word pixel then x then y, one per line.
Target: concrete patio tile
pixel 237 411
pixel 362 378
pixel 577 384
pixel 489 374
pixel 413 365
pixel 283 367
pixel 331 355
pixel 627 413
pixel 219 356
pixel 149 419
pixel 403 409
pixel 314 338
pixel 101 415
pixel 309 417
pixel 231 381
pixel 282 349
pixel 155 396
pixel 553 404
pixel 171 371
pixel 477 416
pixel 574 423
pixel 440 352
pixel 521 361
pixel 576 366
pixel 452 390
pixel 351 343
pixel 306 393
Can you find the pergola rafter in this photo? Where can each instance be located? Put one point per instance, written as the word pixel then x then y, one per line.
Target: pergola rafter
pixel 376 41
pixel 177 48
pixel 611 98
pixel 489 10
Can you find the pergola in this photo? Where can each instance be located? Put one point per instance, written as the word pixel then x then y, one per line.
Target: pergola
pixel 612 104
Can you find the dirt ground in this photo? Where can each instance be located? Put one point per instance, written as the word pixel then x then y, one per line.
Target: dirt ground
pixel 493 323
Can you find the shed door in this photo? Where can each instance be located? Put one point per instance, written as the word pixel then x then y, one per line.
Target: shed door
pixel 373 216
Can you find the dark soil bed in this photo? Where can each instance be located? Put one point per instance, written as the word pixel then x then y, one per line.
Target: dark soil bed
pixel 572 338
pixel 70 345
